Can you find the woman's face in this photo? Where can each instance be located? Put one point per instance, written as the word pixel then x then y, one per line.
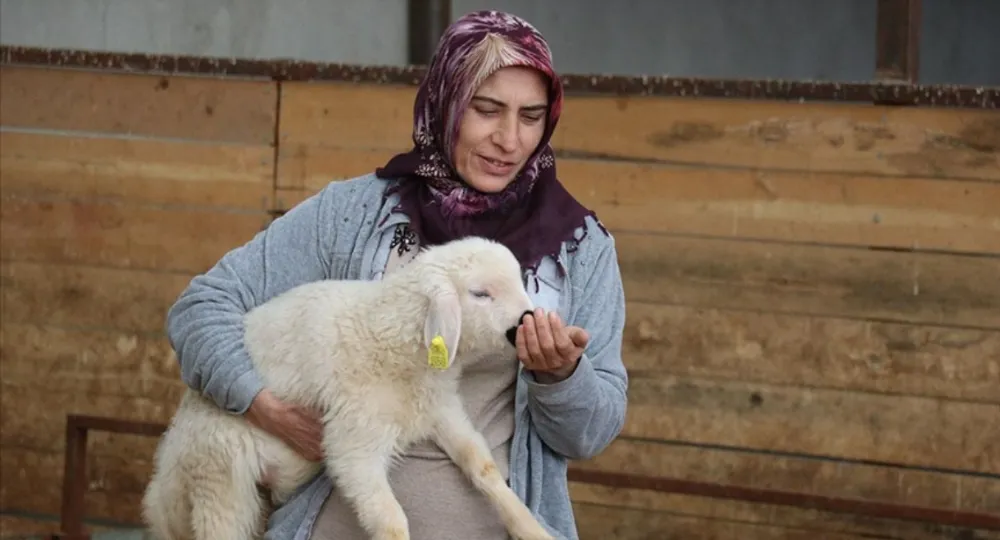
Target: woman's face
pixel 501 128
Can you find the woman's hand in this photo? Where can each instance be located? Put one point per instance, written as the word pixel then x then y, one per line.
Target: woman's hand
pixel 548 347
pixel 298 427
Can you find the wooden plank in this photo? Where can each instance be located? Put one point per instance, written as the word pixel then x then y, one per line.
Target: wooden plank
pixel 36 419
pixel 183 107
pixel 805 279
pixel 920 432
pixel 89 297
pixel 716 510
pixel 812 352
pixel 33 484
pixel 137 170
pixel 725 522
pixel 122 235
pixel 846 138
pixel 346 115
pixel 834 137
pixel 107 362
pixel 800 473
pixel 310 168
pixel 598 522
pixel 805 207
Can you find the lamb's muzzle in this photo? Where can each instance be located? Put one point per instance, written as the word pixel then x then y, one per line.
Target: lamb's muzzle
pixel 512 331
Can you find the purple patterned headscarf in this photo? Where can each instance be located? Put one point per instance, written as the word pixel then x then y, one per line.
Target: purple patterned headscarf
pixel 535 214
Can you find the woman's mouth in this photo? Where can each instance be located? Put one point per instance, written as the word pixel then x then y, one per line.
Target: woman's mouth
pixel 496 166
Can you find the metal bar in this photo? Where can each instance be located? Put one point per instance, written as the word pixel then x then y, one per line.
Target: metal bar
pixel 74 481
pixel 788 498
pixel 74 484
pixel 897 40
pixel 75 466
pixel 610 85
pixel 426 22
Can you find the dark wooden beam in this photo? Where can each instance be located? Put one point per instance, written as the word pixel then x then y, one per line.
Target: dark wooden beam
pixel 897 56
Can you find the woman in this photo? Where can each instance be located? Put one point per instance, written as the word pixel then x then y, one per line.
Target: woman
pixel 481 165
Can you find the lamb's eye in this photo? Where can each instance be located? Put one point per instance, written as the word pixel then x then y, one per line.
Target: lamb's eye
pixel 480 294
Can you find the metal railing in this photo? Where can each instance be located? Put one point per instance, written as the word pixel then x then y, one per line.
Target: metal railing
pixel 75 483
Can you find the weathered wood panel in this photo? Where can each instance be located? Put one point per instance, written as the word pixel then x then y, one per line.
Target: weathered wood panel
pixel 117 188
pixel 602 521
pixel 332 131
pixel 808 279
pixel 141 171
pixel 810 474
pixel 812 352
pixel 660 515
pixel 132 104
pixel 847 138
pixel 110 234
pixel 35 483
pixel 908 430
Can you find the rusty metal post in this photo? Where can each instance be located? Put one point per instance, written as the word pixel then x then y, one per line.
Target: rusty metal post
pixel 897 40
pixel 427 21
pixel 74 481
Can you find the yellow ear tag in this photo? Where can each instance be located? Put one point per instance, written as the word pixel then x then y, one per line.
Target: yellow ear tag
pixel 437 354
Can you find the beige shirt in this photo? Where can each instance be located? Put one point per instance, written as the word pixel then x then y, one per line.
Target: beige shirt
pixel 439 501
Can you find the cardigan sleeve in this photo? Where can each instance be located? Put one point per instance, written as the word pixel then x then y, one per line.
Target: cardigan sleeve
pixel 582 414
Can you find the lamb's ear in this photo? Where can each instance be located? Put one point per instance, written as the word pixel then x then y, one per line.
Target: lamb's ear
pixel 444 316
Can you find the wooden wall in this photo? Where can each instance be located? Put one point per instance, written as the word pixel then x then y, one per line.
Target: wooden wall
pixel 781 332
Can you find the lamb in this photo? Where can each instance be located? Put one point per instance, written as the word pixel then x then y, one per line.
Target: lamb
pixel 381 360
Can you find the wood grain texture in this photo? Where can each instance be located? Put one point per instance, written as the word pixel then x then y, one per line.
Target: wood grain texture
pixel 671 518
pixel 138 105
pixel 834 137
pixel 599 522
pixel 167 239
pixel 803 473
pixel 805 207
pixel 76 296
pixel 812 352
pixel 907 213
pixel 349 116
pixel 846 138
pixel 113 493
pixel 806 279
pixel 919 432
pixel 137 170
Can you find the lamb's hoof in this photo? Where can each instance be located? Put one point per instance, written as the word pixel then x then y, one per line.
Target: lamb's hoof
pixel 392 533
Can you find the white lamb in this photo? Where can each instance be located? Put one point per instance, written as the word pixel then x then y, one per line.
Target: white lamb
pixel 363 352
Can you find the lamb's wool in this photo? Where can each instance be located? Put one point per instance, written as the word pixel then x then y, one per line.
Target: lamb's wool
pixel 356 350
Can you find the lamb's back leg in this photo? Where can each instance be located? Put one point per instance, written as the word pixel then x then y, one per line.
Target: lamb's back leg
pixel 465 446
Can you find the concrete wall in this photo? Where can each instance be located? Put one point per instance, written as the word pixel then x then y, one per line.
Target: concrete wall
pixel 792 39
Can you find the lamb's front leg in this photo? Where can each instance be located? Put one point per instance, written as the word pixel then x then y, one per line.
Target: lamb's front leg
pixel 465 446
pixel 358 461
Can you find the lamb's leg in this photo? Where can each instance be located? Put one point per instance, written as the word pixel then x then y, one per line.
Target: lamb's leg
pixel 357 461
pixel 469 450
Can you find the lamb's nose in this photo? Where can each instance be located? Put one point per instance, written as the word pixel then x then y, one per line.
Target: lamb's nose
pixel 512 331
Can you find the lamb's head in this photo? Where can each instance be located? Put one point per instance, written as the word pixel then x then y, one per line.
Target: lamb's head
pixel 476 296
